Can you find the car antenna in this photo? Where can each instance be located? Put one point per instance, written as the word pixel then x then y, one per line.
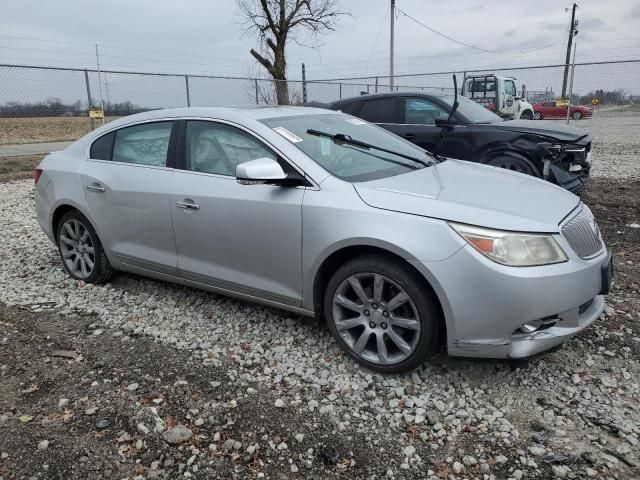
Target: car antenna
pixel 445 129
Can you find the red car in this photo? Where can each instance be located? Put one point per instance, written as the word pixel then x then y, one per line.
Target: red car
pixel 552 110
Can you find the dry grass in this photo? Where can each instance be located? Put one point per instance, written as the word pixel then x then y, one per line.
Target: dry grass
pixel 44 129
pixel 15 168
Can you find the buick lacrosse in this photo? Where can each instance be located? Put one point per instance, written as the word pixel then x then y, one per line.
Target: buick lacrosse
pixel 327 215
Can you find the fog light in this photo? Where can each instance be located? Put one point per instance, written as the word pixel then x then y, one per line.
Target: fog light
pixel 532 326
pixel 535 325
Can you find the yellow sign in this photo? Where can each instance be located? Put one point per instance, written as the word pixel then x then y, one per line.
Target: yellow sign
pixel 595 101
pixel 563 102
pixel 95 113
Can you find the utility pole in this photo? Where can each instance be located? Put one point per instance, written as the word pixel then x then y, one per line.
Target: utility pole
pixel 572 33
pixel 100 83
pixel 573 71
pixel 393 14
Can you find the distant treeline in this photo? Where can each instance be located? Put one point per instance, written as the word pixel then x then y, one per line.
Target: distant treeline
pixel 56 108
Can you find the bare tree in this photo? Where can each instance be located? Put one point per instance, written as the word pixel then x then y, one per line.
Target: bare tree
pixel 277 21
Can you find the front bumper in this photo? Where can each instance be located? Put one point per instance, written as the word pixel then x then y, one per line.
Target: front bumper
pixel 486 304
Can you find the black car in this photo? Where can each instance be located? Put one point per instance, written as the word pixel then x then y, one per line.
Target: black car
pixel 557 153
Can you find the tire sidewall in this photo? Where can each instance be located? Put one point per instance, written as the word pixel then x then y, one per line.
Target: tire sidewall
pixel 97 246
pixel 512 158
pixel 421 297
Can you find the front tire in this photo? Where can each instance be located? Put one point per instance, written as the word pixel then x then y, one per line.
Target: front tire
pixel 576 115
pixel 537 116
pixel 81 251
pixel 381 314
pixel 515 163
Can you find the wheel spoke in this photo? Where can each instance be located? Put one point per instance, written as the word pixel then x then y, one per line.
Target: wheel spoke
pixel 378 283
pixel 67 240
pixel 83 267
pixel 89 262
pixel 348 304
pixel 357 288
pixel 89 249
pixel 383 354
pixel 350 323
pixel 76 263
pixel 76 228
pixel 358 347
pixel 409 323
pixel 68 254
pixel 70 231
pixel 398 300
pixel 85 236
pixel 399 341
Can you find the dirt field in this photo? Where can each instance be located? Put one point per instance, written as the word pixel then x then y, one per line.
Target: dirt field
pixel 15 168
pixel 44 129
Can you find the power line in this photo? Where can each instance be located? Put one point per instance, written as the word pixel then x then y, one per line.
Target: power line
pixel 373 48
pixel 433 30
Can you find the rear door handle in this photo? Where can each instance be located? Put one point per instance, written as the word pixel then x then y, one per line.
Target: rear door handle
pixel 188 205
pixel 95 187
pixel 409 135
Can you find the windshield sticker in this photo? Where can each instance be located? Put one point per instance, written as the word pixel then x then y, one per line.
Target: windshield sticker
pixel 292 137
pixel 325 146
pixel 356 121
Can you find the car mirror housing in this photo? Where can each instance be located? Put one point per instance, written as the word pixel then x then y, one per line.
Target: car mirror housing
pixel 260 171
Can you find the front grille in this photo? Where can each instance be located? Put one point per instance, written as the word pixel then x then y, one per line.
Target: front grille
pixel 583 234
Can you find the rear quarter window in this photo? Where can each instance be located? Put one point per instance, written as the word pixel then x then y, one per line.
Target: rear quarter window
pixel 102 148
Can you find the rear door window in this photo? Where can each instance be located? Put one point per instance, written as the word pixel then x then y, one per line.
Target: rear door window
pixel 381 110
pixel 146 144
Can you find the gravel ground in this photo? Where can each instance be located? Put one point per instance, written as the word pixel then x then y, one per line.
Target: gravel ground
pixel 199 385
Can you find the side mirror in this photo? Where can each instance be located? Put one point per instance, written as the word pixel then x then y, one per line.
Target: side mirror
pixel 260 171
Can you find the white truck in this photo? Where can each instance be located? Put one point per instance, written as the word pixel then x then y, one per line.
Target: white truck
pixel 498 94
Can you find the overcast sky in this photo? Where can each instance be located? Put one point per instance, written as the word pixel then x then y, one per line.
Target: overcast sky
pixel 196 36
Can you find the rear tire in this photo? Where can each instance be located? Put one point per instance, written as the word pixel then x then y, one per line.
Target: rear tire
pixel 515 163
pixel 81 251
pixel 381 314
pixel 576 115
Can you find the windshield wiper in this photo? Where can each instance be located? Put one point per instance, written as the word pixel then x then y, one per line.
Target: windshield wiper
pixel 341 137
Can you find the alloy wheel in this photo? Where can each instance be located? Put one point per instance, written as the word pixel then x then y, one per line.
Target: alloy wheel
pixel 376 318
pixel 77 249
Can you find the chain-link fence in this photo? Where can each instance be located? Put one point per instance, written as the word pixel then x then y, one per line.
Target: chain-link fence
pixel 29 91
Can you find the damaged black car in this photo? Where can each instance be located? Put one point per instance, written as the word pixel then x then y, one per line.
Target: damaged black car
pixel 557 153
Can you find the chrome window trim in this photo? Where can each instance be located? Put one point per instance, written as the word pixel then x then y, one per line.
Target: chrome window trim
pixel 314 184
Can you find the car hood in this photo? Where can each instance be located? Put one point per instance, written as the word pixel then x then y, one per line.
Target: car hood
pixel 475 194
pixel 563 133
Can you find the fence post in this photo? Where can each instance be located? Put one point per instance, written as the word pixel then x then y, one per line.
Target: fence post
pixel 90 102
pixel 304 85
pixel 340 97
pixel 464 81
pixel 255 82
pixel 186 84
pixel 376 84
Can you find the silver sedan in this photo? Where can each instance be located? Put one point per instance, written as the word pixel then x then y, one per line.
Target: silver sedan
pixel 324 214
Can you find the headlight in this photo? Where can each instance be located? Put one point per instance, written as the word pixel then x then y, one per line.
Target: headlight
pixel 512 248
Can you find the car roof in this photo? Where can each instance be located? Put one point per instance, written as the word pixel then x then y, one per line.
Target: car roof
pixel 374 96
pixel 224 113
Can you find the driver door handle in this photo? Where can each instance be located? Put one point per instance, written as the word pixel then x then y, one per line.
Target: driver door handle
pixel 95 187
pixel 188 205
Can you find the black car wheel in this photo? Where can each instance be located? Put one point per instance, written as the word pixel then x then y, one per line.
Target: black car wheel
pixel 515 163
pixel 526 115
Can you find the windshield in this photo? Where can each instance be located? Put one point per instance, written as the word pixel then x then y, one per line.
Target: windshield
pixel 472 111
pixel 349 162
